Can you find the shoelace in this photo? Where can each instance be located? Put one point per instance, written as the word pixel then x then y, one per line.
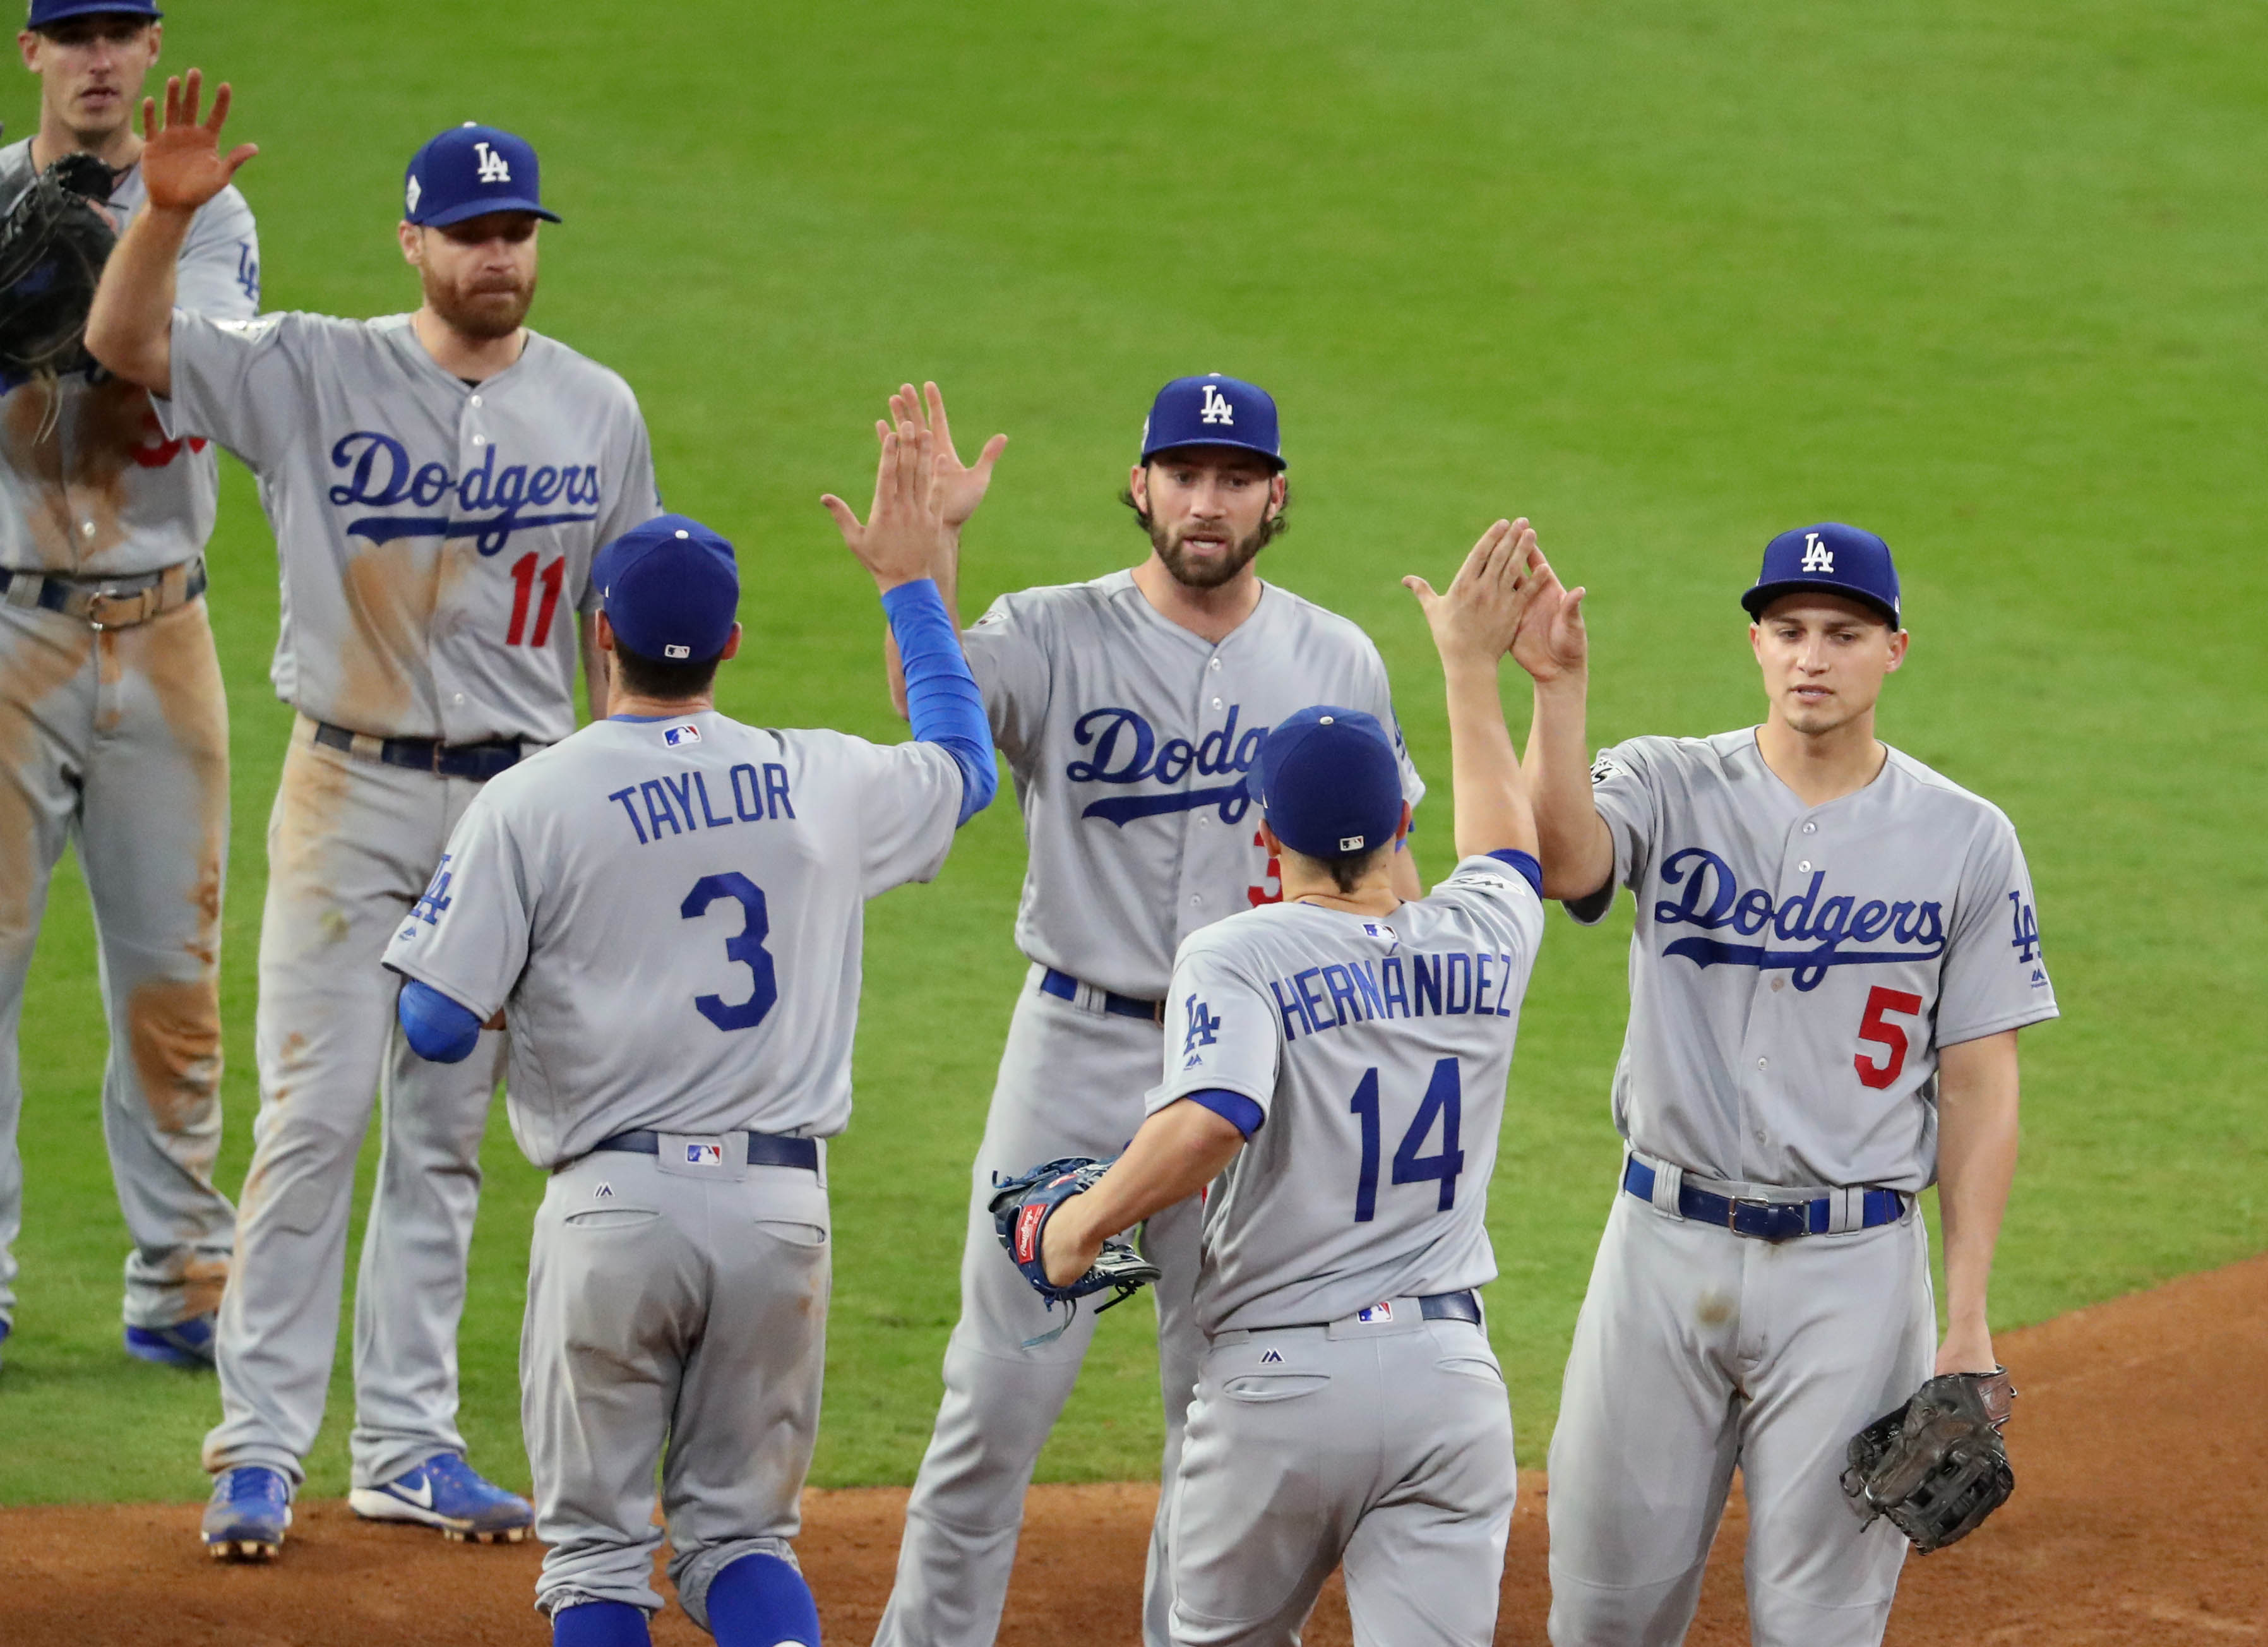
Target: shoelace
pixel 263 1485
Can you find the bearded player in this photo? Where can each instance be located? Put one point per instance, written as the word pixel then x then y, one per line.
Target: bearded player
pixel 1835 949
pixel 113 727
pixel 1131 709
pixel 437 483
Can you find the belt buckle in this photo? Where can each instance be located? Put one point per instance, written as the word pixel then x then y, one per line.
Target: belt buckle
pixel 115 608
pixel 1766 1208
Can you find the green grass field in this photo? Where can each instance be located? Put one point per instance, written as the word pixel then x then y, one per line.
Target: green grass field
pixel 1665 275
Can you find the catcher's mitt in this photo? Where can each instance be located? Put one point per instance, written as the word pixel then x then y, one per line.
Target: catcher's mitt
pixel 1021 1206
pixel 1936 1467
pixel 54 242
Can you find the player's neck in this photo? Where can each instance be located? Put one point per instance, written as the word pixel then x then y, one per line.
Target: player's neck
pixel 627 706
pixel 116 149
pixel 1822 766
pixel 1373 895
pixel 1210 614
pixel 461 355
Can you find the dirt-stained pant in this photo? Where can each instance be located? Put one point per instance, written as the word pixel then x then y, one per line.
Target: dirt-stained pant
pixel 1072 1083
pixel 351 845
pixel 1696 1351
pixel 118 740
pixel 1385 1445
pixel 675 1314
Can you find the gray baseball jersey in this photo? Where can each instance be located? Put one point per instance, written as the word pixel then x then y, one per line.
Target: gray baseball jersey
pixel 106 493
pixel 1377 1049
pixel 434 538
pixel 1129 738
pixel 1794 970
pixel 673 911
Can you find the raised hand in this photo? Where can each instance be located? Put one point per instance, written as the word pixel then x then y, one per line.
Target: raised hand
pixel 182 167
pixel 1475 619
pixel 1552 644
pixel 961 487
pixel 904 532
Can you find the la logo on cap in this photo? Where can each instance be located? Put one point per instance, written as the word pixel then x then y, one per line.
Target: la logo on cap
pixel 1216 409
pixel 1817 556
pixel 494 167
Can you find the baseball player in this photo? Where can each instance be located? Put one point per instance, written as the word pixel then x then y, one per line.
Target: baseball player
pixel 113 728
pixel 1337 1074
pixel 1129 709
pixel 677 1294
pixel 438 483
pixel 1835 949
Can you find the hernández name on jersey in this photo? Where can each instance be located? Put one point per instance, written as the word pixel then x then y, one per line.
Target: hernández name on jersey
pixel 1126 749
pixel 488 503
pixel 1398 983
pixel 1817 933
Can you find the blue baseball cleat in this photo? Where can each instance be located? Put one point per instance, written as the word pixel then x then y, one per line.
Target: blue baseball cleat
pixel 250 1508
pixel 6 1327
pixel 448 1493
pixel 184 1344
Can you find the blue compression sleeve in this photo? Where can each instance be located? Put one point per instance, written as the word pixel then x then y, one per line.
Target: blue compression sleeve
pixel 1530 871
pixel 760 1601
pixel 942 701
pixel 1233 1107
pixel 601 1624
pixel 439 1029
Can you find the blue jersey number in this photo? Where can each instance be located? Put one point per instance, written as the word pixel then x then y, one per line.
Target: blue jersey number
pixel 1444 1101
pixel 746 948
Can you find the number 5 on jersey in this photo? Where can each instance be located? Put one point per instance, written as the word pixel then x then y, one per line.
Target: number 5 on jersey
pixel 1892 1037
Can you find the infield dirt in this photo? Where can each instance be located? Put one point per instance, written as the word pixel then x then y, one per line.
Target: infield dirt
pixel 2140 1442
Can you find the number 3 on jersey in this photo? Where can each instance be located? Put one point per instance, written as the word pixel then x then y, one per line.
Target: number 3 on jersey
pixel 746 948
pixel 1444 1099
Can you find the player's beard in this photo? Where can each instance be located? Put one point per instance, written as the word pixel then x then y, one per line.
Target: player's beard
pixel 1192 573
pixel 484 311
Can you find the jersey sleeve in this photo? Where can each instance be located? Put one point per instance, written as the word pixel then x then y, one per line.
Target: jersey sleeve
pixel 1221 1028
pixel 1622 791
pixel 237 381
pixel 1994 977
pixel 1502 891
pixel 218 275
pixel 468 935
pixel 909 806
pixel 1008 654
pixel 636 499
pixel 1379 702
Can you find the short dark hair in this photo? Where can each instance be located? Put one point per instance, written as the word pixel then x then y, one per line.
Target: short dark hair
pixel 665 678
pixel 1271 530
pixel 1347 868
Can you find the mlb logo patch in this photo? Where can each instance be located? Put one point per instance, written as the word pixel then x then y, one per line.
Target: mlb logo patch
pixel 687 733
pixel 704 1154
pixel 1377 1315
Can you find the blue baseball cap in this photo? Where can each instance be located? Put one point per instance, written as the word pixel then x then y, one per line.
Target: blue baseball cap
pixel 1833 559
pixel 469 170
pixel 670 588
pixel 1212 410
pixel 1329 782
pixel 46 11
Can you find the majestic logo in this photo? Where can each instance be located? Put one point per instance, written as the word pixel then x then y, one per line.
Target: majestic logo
pixel 1128 751
pixel 1217 410
pixel 1271 1357
pixel 687 733
pixel 487 504
pixel 1817 556
pixel 494 167
pixel 604 1192
pixel 410 199
pixel 429 908
pixel 704 1154
pixel 1815 930
pixel 1204 1026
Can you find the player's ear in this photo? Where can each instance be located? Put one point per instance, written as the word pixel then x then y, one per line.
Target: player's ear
pixel 605 630
pixel 1898 641
pixel 413 244
pixel 27 42
pixel 1267 840
pixel 732 645
pixel 1278 488
pixel 1401 830
pixel 1138 486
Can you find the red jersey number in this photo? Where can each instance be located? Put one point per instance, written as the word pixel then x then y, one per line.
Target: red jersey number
pixel 525 581
pixel 1270 889
pixel 1890 1036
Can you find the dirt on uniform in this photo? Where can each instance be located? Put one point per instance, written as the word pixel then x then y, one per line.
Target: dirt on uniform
pixel 2140 1442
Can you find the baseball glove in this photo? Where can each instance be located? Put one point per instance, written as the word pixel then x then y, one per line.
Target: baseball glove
pixel 1021 1206
pixel 54 242
pixel 1936 1467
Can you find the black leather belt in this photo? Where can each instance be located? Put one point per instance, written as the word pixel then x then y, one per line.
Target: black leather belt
pixel 107 603
pixel 479 762
pixel 765 1149
pixel 1451 1306
pixel 1063 986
